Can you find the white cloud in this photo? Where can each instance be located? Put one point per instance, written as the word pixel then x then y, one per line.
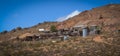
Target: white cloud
pixel 76 12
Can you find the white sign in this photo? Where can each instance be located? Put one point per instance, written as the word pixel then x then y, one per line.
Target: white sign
pixel 41 29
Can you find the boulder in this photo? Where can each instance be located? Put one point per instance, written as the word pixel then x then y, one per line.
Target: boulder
pixel 23 36
pixel 98 39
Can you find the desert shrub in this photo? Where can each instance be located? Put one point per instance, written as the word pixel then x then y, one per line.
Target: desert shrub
pixel 53 28
pixel 39 23
pixel 26 28
pixel 18 28
pixel 13 30
pixel 5 31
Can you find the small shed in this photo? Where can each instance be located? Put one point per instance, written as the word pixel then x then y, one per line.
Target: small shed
pixel 84 32
pixel 81 30
pixel 94 29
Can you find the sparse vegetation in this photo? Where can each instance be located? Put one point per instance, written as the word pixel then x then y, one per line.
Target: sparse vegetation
pixel 77 46
pixel 18 28
pixel 53 28
pixel 5 31
pixel 13 30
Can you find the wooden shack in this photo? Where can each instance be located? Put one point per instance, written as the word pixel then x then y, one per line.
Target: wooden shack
pixel 78 30
pixel 94 29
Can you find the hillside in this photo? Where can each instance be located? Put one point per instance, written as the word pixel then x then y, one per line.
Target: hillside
pixel 107 43
pixel 107 17
pixel 103 45
pixel 34 30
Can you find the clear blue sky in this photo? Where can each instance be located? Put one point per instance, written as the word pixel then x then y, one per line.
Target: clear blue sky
pixel 26 13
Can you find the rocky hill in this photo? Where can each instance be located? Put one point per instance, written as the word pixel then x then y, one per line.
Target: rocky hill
pixel 105 44
pixel 107 17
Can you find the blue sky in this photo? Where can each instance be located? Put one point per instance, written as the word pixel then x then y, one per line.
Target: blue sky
pixel 26 13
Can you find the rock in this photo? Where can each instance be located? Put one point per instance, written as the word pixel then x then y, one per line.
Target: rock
pixel 98 39
pixel 54 41
pixel 25 35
